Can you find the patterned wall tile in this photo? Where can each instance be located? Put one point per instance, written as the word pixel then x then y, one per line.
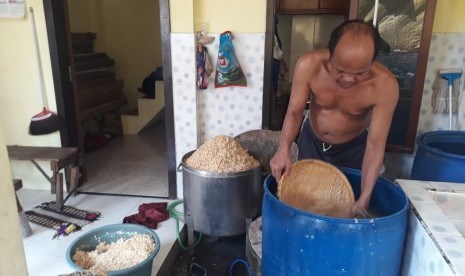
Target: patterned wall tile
pixel 433 262
pixel 185 109
pixel 421 256
pixel 453 246
pixel 183 58
pixel 185 142
pixel 179 185
pixel 233 110
pixel 202 114
pixel 184 97
pixel 411 263
pixel 447 50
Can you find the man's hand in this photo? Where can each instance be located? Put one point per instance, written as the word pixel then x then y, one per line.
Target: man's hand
pixel 280 164
pixel 359 210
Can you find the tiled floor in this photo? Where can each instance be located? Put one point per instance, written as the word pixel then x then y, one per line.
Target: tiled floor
pixel 46 256
pixel 129 165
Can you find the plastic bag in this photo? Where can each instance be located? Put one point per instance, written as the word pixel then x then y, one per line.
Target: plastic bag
pixel 228 70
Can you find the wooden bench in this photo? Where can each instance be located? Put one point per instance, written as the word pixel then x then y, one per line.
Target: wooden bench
pixel 67 158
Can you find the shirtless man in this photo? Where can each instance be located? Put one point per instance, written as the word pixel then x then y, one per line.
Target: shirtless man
pixel 349 93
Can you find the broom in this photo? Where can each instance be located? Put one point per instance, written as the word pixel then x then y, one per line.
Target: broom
pixel 451 75
pixel 46 121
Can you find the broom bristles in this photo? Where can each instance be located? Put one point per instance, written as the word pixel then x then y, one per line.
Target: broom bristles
pixel 440 95
pixel 45 122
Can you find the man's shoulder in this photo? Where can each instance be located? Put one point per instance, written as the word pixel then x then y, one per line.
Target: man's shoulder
pixel 383 73
pixel 320 54
pixel 314 59
pixel 386 82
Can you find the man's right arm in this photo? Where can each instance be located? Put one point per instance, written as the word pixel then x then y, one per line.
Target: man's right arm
pixel 281 162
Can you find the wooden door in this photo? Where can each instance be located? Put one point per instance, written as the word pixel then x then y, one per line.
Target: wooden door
pixel 59 38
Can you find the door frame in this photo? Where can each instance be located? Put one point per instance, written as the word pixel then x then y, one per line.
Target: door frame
pixel 57 25
pixel 268 101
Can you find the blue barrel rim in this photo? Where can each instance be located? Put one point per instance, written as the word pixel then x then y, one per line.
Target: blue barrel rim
pixel 423 139
pixel 399 213
pixel 111 227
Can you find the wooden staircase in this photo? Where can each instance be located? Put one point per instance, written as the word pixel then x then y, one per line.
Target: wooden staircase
pixel 97 89
pixel 148 111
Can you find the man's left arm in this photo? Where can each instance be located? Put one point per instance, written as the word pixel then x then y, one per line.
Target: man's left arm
pixel 380 124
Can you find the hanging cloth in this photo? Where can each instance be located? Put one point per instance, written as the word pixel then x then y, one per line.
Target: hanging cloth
pixel 204 67
pixel 203 61
pixel 228 70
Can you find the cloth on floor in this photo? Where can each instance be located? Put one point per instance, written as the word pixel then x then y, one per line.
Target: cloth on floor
pixel 150 214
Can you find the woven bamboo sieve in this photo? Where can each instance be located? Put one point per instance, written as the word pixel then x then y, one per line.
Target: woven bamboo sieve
pixel 317 187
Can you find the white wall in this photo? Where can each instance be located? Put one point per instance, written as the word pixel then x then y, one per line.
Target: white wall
pixel 12 259
pixel 20 89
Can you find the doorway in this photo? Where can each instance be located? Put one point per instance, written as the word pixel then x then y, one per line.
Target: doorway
pixel 129 164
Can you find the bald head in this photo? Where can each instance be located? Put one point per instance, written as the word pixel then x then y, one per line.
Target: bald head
pixel 356 30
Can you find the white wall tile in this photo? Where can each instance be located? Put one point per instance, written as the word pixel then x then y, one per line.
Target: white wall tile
pixel 421 255
pixel 416 191
pixel 185 108
pixel 183 58
pixel 185 142
pixel 203 114
pixel 179 185
pixel 233 110
pixel 447 50
pixel 435 219
pixel 411 265
pixel 433 263
pixel 453 247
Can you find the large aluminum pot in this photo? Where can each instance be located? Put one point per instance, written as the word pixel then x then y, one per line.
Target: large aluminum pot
pixel 218 204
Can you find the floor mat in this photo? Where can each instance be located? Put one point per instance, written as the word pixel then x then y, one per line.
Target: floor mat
pixel 68 220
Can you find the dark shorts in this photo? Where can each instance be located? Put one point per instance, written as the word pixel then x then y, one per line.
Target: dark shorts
pixel 349 154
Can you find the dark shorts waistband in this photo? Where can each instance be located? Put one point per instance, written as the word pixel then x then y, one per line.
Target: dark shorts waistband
pixel 361 138
pixel 349 154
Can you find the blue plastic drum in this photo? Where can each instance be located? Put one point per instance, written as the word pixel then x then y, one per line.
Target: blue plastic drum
pixel 301 243
pixel 440 157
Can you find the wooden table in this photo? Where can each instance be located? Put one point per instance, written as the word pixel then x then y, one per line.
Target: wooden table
pixel 67 158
